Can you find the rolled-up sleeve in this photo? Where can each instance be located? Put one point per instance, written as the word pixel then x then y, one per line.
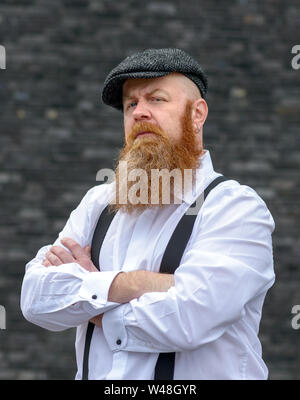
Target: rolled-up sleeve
pixel 227 266
pixel 65 296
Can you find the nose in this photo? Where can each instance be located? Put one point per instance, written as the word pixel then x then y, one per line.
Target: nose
pixel 141 111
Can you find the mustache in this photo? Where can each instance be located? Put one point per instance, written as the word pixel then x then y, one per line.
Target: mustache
pixel 144 126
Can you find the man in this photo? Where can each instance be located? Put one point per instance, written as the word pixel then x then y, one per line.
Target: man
pixel 208 310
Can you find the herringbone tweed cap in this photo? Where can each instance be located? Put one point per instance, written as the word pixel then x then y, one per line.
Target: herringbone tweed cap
pixel 151 63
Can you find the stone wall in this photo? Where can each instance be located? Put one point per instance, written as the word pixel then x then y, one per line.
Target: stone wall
pixel 55 134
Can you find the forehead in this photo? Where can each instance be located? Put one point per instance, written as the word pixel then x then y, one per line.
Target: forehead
pixel 173 83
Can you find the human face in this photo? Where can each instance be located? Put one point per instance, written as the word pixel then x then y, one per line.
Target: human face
pixel 155 153
pixel 159 101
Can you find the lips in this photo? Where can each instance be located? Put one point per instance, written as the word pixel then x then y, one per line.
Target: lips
pixel 145 133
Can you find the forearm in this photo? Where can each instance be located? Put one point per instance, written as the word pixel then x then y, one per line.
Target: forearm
pixel 127 286
pixel 58 298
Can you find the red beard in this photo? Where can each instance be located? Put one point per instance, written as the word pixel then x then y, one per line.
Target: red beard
pixel 143 155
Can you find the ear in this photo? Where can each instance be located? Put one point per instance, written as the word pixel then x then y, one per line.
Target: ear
pixel 199 113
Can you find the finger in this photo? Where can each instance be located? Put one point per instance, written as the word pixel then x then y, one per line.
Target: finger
pixel 75 248
pixel 53 259
pixel 87 251
pixel 63 255
pixel 46 263
pixel 97 320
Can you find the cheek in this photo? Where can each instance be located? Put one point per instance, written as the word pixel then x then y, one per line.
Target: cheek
pixel 173 129
pixel 172 123
pixel 126 130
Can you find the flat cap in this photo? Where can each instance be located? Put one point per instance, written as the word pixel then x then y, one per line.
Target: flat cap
pixel 151 63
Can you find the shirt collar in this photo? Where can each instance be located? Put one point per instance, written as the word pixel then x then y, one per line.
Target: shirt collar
pixel 203 175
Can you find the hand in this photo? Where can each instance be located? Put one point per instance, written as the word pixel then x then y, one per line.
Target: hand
pixel 97 320
pixel 58 255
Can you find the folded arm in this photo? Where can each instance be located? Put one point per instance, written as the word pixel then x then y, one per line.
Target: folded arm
pixel 62 288
pixel 132 285
pixel 64 296
pixel 69 291
pixel 227 265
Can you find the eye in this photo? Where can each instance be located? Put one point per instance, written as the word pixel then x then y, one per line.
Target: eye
pixel 157 99
pixel 131 105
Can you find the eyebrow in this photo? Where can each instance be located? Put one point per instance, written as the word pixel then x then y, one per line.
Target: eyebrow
pixel 126 97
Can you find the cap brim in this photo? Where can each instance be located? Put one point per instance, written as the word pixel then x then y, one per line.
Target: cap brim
pixel 113 90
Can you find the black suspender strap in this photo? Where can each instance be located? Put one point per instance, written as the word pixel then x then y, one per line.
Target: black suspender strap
pixel 103 224
pixel 101 229
pixel 180 237
pixel 165 364
pixel 164 369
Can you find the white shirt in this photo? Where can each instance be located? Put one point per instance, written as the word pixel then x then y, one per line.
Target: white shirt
pixel 210 318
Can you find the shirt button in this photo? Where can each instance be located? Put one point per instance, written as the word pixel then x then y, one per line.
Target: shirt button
pixel 94 296
pixel 119 341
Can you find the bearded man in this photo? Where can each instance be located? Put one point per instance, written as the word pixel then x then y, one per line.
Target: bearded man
pixel 162 294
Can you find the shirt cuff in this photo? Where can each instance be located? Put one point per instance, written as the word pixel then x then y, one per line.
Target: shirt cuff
pixel 95 287
pixel 118 336
pixel 114 328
